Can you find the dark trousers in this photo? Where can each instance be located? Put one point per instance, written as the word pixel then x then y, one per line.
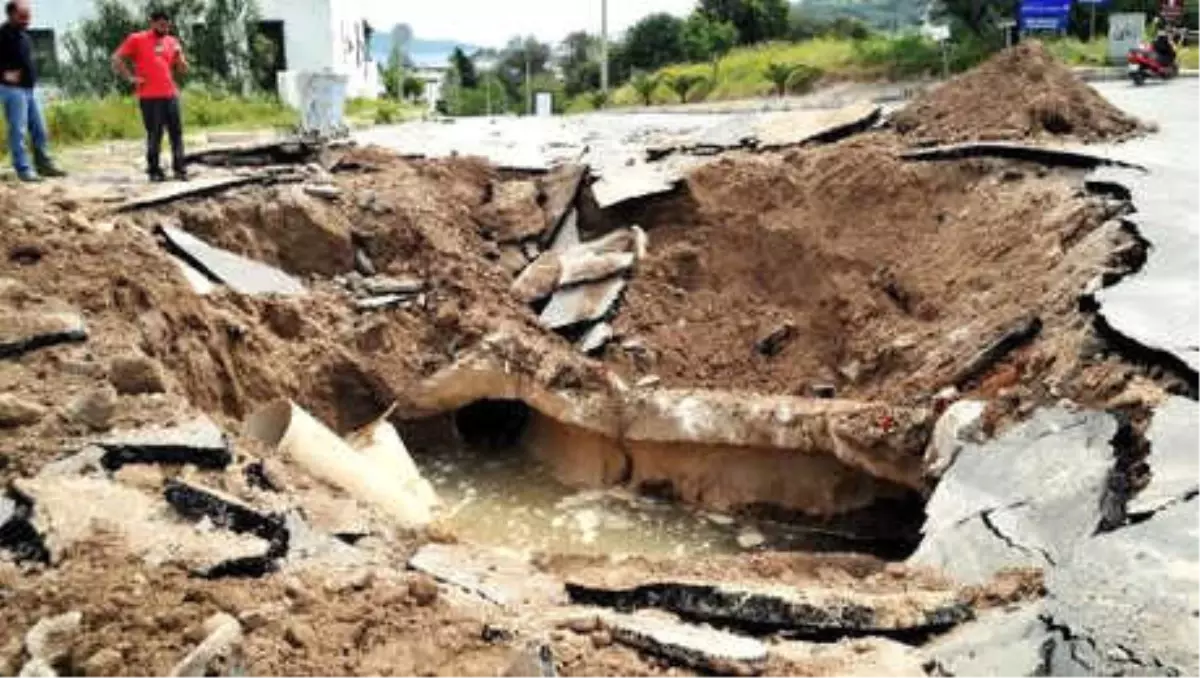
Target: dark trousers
pixel 157 114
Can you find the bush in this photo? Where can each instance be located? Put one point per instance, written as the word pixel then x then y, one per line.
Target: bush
pixel 902 57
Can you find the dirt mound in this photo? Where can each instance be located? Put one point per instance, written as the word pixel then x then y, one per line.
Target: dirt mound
pixel 849 268
pixel 1020 93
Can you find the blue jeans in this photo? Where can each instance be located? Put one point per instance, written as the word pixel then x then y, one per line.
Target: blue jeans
pixel 22 112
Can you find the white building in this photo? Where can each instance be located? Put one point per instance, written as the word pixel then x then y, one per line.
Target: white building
pixel 317 35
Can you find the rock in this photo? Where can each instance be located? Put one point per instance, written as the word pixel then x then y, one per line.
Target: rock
pixel 16 412
pixel 499 576
pixel 136 374
pixel 1000 642
pixel 52 638
pixel 217 654
pixel 300 635
pixel 384 285
pixel 700 647
pixel 512 259
pixel 325 192
pixel 141 476
pixel 774 341
pixel 584 624
pixel 22 332
pixel 560 187
pixel 362 262
pixel 750 538
pixel 1174 467
pixel 959 425
pixel 1025 499
pixel 582 264
pixel 824 391
pixel 535 659
pixel 602 638
pixel 423 589
pixel 567 235
pixel 1127 601
pixel 37 668
pixel 79 222
pixel 94 409
pixel 847 657
pixel 104 662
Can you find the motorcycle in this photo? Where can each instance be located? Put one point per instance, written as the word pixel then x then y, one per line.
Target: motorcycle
pixel 1144 62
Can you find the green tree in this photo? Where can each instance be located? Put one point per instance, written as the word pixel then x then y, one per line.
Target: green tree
pixel 412 87
pixel 755 20
pixel 519 56
pixel 464 67
pixel 780 74
pixel 580 63
pixel 655 41
pixel 707 39
pixel 392 74
pixel 979 18
pixel 682 84
pixel 645 85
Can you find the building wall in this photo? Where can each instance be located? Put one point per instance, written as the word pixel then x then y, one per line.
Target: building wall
pixel 319 35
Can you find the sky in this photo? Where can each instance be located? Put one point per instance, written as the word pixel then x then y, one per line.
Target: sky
pixel 490 23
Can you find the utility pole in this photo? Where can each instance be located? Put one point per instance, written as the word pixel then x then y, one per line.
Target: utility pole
pixel 528 84
pixel 604 46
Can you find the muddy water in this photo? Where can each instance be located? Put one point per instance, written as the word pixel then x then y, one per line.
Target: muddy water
pixel 506 498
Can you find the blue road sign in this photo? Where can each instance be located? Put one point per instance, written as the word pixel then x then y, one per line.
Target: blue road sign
pixel 1044 15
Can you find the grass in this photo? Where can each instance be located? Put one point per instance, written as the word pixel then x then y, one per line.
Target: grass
pixel 1095 53
pixel 83 121
pixel 742 73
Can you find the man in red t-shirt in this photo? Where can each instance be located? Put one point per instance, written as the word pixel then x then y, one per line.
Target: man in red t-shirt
pixel 155 54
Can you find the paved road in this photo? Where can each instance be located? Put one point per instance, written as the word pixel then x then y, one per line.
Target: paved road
pixel 1160 306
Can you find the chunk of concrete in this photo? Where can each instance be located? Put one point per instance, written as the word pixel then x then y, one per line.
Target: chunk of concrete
pixel 595 338
pixel 25 331
pixel 567 235
pixel 242 275
pixel 539 279
pixel 959 425
pixel 16 412
pixel 37 668
pixel 762 606
pixel 221 645
pixel 1128 601
pixel 560 188
pixel 381 284
pixel 1028 497
pixel 699 647
pixel 1001 642
pixel 498 576
pixel 583 303
pixel 199 442
pixel 1174 468
pixel 580 265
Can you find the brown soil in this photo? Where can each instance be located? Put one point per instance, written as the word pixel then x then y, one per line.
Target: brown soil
pixel 886 276
pixel 879 277
pixel 1020 93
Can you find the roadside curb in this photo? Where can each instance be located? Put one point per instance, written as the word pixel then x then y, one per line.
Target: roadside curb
pixel 1118 73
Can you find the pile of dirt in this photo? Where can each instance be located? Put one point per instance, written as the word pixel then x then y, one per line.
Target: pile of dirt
pixel 846 267
pixel 1020 93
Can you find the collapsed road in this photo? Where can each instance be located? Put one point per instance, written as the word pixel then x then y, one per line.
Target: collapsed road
pixel 738 394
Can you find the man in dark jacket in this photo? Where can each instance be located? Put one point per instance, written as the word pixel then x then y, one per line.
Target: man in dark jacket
pixel 21 110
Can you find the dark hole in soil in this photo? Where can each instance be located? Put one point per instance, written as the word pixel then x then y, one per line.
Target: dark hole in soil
pixel 494 424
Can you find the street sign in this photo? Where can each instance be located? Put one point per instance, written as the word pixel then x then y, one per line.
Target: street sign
pixel 1044 15
pixel 1124 33
pixel 936 32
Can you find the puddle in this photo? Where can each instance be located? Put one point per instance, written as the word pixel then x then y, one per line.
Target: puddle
pixel 507 498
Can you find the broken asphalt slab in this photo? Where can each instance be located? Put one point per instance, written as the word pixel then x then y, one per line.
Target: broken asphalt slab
pixel 199 442
pixel 500 577
pixel 25 331
pixel 583 303
pixel 1127 602
pixel 1174 468
pixel 199 188
pixel 242 275
pixel 1052 157
pixel 798 128
pixel 1025 498
pixel 699 647
pixel 813 611
pixel 560 188
pixel 622 184
pixel 1000 642
pixel 18 536
pixel 197 503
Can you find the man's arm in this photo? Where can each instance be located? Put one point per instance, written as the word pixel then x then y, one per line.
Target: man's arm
pixel 181 62
pixel 120 62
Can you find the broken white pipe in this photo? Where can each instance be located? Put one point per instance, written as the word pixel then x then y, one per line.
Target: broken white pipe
pixel 380 442
pixel 223 640
pixel 319 451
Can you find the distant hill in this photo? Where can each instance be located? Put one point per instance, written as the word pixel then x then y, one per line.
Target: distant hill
pixel 421 51
pixel 878 14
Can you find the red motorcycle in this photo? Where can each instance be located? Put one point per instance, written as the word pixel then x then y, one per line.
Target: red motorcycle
pixel 1147 62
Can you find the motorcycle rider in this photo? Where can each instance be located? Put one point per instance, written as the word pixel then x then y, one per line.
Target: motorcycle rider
pixel 1164 46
